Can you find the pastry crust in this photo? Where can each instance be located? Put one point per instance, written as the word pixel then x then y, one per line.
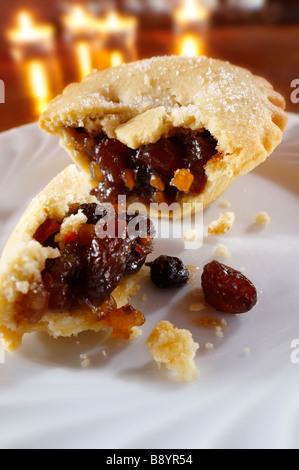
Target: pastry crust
pixel 175 348
pixel 141 102
pixel 24 258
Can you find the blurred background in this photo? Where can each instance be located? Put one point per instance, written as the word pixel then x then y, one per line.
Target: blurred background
pixel 46 45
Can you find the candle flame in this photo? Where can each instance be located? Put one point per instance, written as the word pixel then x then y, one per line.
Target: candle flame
pixel 114 22
pixel 191 11
pixel 38 84
pixel 116 58
pixel 84 58
pixel 25 23
pixel 79 19
pixel 190 45
pixel 28 31
pixel 79 16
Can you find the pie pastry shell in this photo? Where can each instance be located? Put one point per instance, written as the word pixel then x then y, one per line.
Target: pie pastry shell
pixel 24 259
pixel 142 102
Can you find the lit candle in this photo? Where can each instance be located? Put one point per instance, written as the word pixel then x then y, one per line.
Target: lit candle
pixel 84 55
pixel 190 20
pixel 37 82
pixel 79 23
pixel 117 35
pixel 115 23
pixel 190 45
pixel 29 38
pixel 116 58
pixel 191 13
pixel 80 29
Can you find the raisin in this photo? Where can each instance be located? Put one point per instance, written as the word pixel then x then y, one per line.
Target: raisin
pixel 227 290
pixel 105 266
pixel 35 305
pixel 94 212
pixel 200 148
pixel 168 271
pixel 62 280
pixel 165 156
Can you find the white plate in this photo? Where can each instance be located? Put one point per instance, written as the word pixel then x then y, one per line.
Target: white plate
pixel 122 400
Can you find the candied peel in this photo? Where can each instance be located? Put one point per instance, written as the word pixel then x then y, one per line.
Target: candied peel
pixel 129 180
pixel 122 320
pixel 182 180
pixel 157 183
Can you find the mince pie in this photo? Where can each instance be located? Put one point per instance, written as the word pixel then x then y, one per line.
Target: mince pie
pixel 167 129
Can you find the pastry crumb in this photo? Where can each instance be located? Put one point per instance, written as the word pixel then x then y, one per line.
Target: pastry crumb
pixel 209 346
pixel 144 298
pixel 225 203
pixel 22 286
pixel 219 328
pixel 70 224
pixel 222 251
pixel 190 235
pixel 85 361
pixel 222 224
pixel 219 331
pixel 192 272
pixel 175 348
pixel 197 292
pixel 262 218
pixel 246 351
pixel 135 332
pixel 197 307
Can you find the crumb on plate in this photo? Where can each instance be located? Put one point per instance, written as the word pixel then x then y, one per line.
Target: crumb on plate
pixel 222 224
pixel 85 361
pixel 190 235
pixel 192 272
pixel 197 307
pixel 225 203
pixel 222 251
pixel 175 348
pixel 219 331
pixel 135 332
pixel 262 218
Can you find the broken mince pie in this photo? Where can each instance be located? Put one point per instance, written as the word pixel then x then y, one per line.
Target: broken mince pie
pixel 167 129
pixel 63 272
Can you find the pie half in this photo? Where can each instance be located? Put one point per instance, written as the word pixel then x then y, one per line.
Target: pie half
pixel 167 129
pixel 61 276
